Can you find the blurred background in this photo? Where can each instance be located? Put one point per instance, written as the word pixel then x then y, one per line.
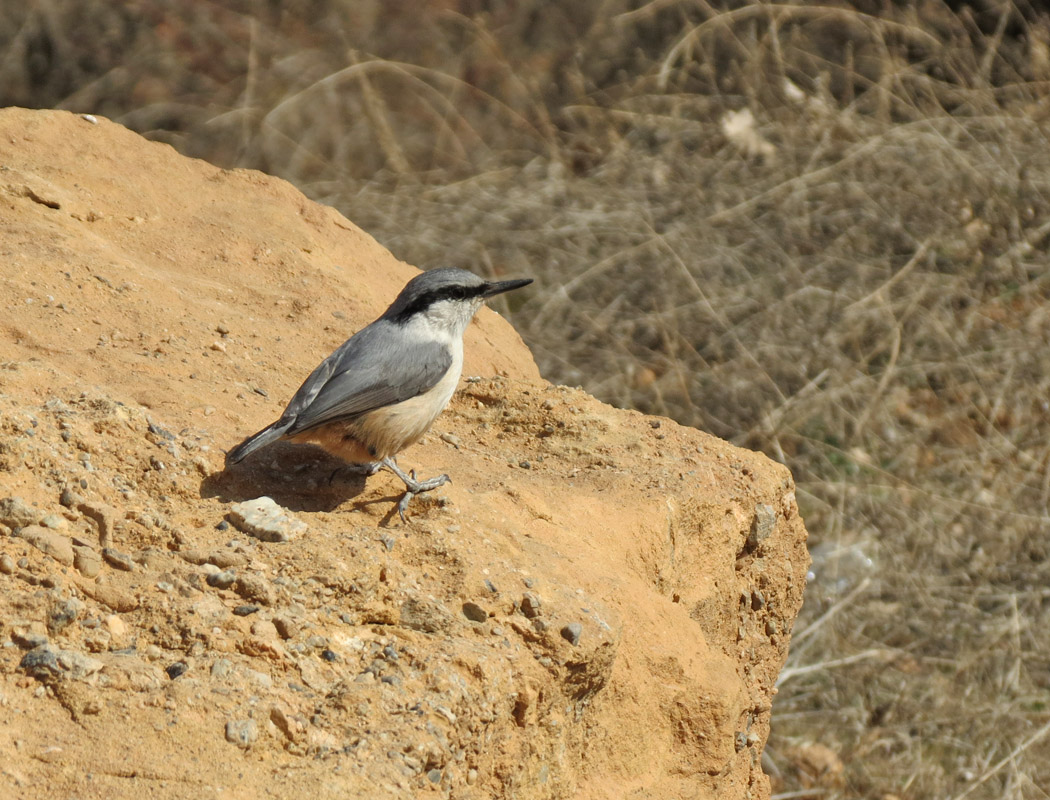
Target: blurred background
pixel 819 231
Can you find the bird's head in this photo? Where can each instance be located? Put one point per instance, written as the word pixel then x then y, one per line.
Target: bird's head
pixel 446 298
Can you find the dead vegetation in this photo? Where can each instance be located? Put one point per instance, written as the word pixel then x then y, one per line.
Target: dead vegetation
pixel 818 231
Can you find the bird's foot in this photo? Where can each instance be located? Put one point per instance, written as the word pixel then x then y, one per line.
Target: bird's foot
pixel 367 470
pixel 412 486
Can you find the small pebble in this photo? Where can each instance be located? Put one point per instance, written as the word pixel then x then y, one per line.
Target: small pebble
pixel 87 561
pixel 28 640
pixel 474 612
pixel 7 564
pixel 530 605
pixel 434 776
pixel 118 629
pixel 222 580
pixel 329 655
pixel 63 615
pixel 176 669
pixel 117 559
pixel 242 732
pixel 223 525
pixel 245 610
pixel 41 662
pixel 286 627
pixel 157 430
pixel 572 632
pixel 254 588
pixel 54 521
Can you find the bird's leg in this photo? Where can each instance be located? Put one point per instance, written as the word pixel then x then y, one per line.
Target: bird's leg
pixel 367 469
pixel 412 486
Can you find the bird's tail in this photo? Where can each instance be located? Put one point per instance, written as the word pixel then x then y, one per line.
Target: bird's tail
pixel 270 433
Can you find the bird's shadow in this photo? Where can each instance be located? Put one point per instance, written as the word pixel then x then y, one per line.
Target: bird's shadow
pixel 299 477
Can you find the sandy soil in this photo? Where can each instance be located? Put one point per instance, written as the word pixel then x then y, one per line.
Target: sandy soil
pixel 597 606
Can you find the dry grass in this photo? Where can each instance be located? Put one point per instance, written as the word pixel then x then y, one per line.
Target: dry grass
pixel 817 231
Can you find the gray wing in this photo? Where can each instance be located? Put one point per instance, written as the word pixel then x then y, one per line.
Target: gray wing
pixel 376 367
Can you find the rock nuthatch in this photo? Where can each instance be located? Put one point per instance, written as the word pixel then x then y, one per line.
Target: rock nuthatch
pixel 381 390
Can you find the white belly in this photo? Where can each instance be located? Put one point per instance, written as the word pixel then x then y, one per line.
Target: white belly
pixel 389 430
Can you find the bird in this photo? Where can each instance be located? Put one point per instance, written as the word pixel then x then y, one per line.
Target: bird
pixel 382 389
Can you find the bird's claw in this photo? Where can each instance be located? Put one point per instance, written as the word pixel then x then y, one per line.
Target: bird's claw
pixel 402 505
pixel 418 487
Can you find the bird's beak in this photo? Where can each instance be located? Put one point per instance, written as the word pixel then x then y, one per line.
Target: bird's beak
pixel 499 287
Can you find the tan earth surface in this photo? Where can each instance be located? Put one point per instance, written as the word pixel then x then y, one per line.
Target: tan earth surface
pixel 597 606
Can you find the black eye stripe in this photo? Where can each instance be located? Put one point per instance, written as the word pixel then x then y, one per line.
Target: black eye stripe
pixel 436 295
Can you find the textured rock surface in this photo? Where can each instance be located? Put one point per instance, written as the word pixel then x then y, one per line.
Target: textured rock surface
pixel 265 520
pixel 608 622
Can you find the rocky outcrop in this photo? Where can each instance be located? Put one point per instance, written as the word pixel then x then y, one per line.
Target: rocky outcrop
pixel 597 606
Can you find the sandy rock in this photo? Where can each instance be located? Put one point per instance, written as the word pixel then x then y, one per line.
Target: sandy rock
pixel 118 631
pixel 426 615
pixel 87 561
pixel 56 545
pixel 112 597
pixel 16 513
pixel 146 255
pixel 265 520
pixel 254 587
pixel 105 518
pixel 292 726
pixel 224 559
pixel 117 559
pixel 286 625
pixel 242 732
pixel 48 662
